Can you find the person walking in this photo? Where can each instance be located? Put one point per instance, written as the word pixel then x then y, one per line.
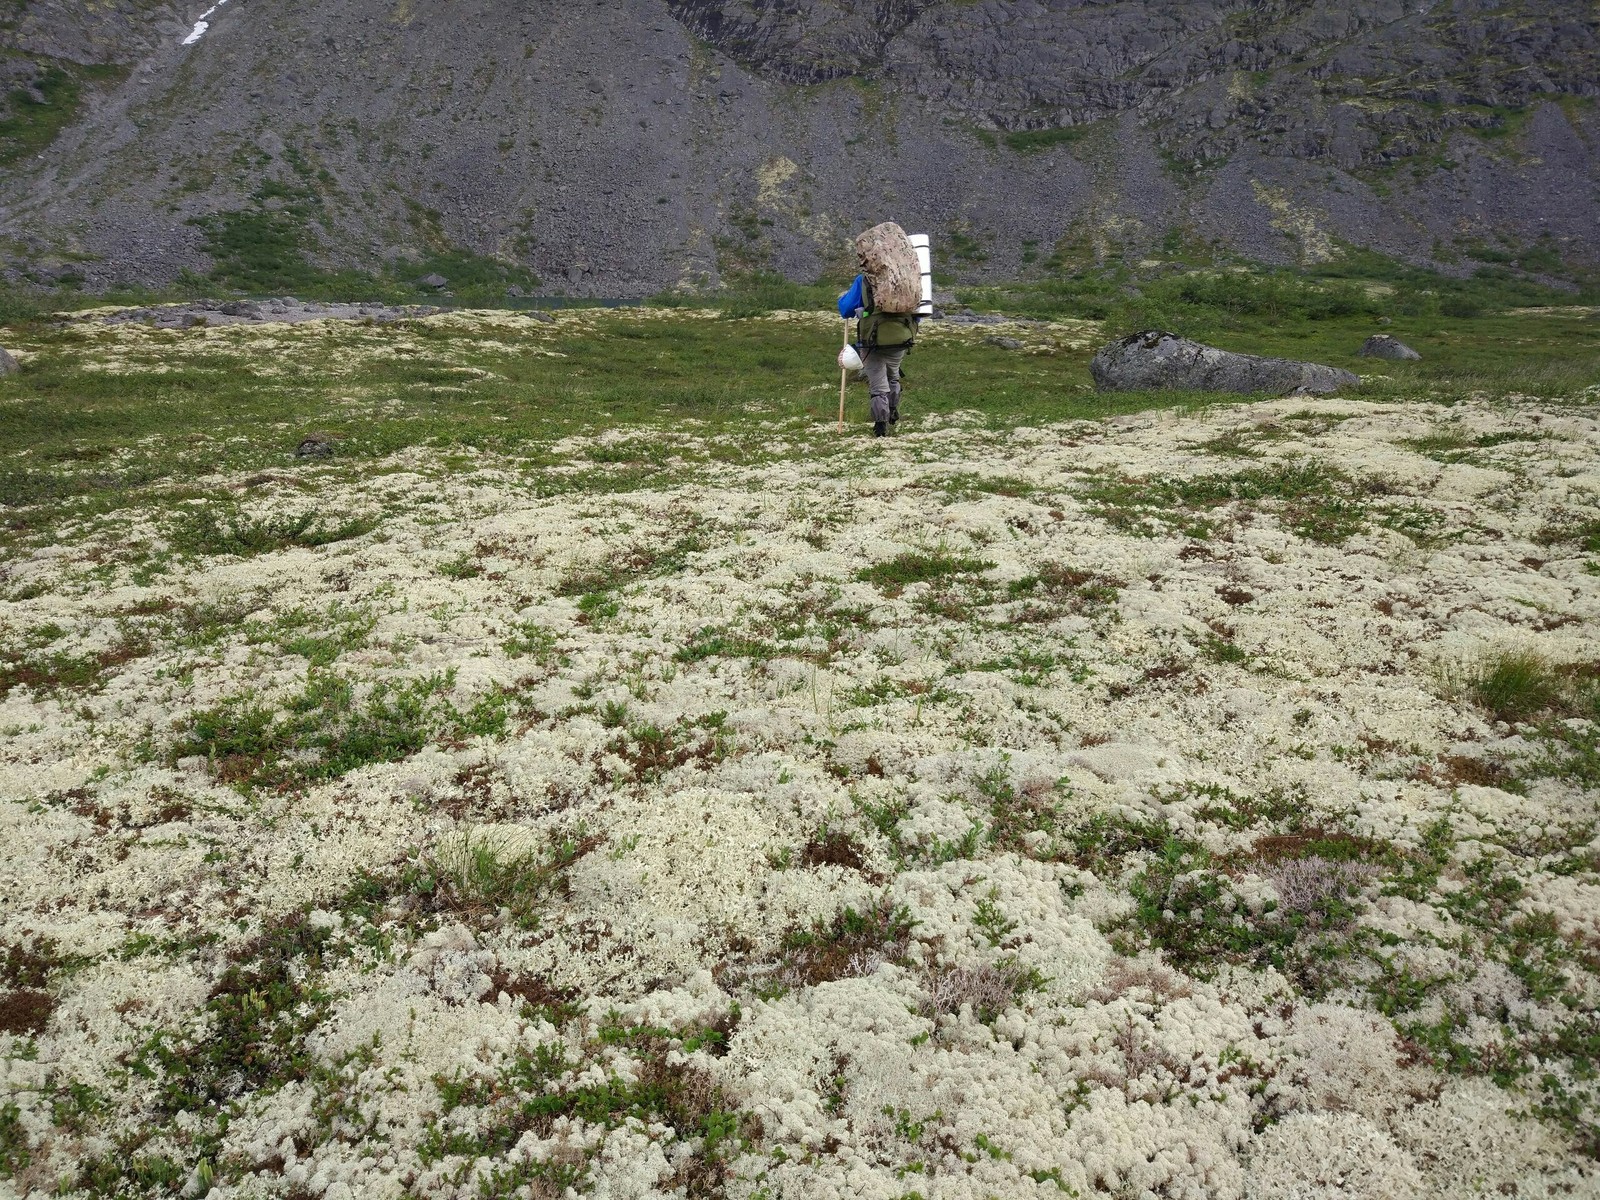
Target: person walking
pixel 883 339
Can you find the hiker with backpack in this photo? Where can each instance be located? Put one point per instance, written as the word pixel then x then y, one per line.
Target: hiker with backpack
pixel 883 300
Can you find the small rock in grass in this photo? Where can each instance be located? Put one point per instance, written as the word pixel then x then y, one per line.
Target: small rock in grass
pixel 1155 360
pixel 1386 345
pixel 8 364
pixel 316 445
pixel 1005 343
pixel 434 281
pixel 540 315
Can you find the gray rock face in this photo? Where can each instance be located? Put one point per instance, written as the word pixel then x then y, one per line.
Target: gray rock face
pixel 1155 361
pixel 618 149
pixel 1386 345
pixel 8 365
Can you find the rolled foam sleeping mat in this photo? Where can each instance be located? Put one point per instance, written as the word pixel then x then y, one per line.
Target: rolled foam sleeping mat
pixel 890 264
pixel 924 248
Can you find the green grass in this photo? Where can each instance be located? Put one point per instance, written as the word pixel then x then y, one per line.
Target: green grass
pixel 754 293
pixel 481 876
pixel 1316 501
pixel 81 444
pixel 30 120
pixel 920 566
pixel 1515 685
pixel 1216 295
pixel 269 248
pixel 326 731
pixel 204 532
pixel 1033 141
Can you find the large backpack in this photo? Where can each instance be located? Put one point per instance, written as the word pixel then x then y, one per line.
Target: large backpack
pixel 890 264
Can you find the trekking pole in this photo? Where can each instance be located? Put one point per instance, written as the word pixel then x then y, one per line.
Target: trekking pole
pixel 842 373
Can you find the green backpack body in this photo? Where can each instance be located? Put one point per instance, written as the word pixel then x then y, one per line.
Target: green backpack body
pixel 882 330
pixel 885 331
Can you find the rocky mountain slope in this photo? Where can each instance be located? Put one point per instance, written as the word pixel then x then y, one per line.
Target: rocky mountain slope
pixel 620 148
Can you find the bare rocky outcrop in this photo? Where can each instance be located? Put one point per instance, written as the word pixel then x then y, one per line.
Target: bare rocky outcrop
pixel 1158 361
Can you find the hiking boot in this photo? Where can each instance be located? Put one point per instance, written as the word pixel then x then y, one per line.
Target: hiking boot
pixel 880 428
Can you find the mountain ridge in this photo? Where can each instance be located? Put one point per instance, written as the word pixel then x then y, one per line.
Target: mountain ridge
pixel 620 149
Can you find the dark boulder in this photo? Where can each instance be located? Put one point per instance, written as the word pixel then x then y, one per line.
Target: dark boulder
pixel 1385 345
pixel 1158 361
pixel 316 445
pixel 434 281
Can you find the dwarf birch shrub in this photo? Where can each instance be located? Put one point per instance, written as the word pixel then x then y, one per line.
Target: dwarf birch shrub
pixel 206 531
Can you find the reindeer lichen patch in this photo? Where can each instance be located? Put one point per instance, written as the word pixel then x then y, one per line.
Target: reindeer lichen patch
pixel 1190 804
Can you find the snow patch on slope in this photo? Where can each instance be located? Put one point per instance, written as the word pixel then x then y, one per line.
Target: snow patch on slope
pixel 203 24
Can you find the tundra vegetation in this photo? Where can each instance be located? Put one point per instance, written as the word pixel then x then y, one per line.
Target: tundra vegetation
pixel 597 776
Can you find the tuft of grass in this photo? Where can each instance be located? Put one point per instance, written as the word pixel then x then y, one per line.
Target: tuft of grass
pixel 1221 649
pixel 49 671
pixel 482 1119
pixel 648 751
pixel 714 642
pixel 969 486
pixel 642 561
pixel 478 874
pixel 529 639
pixel 1584 532
pixel 1514 685
pixel 15 1151
pixel 1068 588
pixel 920 566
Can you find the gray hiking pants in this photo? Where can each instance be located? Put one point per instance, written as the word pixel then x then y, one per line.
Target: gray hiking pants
pixel 883 377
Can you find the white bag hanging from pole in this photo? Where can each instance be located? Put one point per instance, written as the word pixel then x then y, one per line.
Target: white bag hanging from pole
pixel 849 360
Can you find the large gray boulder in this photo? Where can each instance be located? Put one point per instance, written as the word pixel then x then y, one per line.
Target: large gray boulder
pixel 8 365
pixel 1159 361
pixel 1385 345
